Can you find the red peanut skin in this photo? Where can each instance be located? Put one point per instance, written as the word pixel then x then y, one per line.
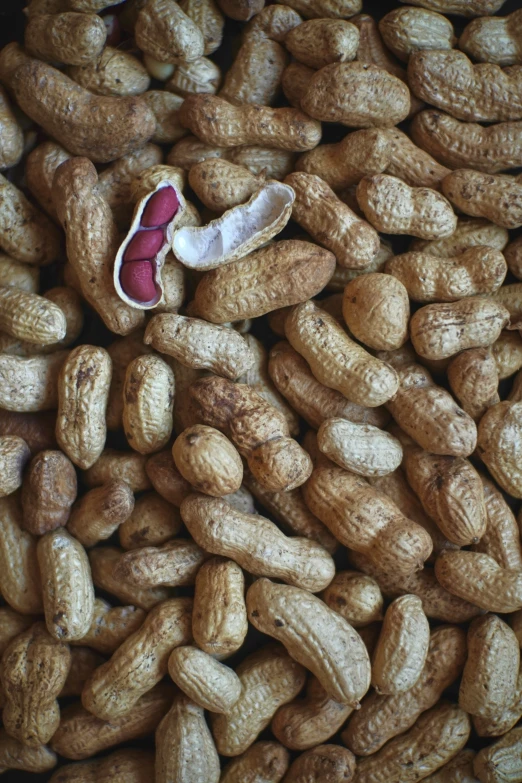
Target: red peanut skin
pixel 144 245
pixel 136 280
pixel 160 209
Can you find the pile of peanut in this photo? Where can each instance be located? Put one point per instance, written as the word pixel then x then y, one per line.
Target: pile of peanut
pixel 261 396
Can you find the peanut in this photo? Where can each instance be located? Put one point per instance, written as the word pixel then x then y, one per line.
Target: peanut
pixel 263 761
pixel 356 597
pixel 490 675
pixel 185 750
pixel 100 512
pixel 148 397
pixel 14 755
pixel 72 38
pixel 219 618
pixel 103 561
pixel 67 588
pixel 500 761
pixel 12 137
pixel 320 42
pixel 259 431
pixel 409 30
pixel 458 770
pixel 359 448
pixel 221 185
pixel 114 73
pixel 112 464
pixel 481 580
pixel 269 679
pixel 17 274
pixel 387 300
pixel 210 684
pixel 19 574
pixel 473 377
pixel 498 444
pixel 14 453
pixel 111 626
pixel 26 234
pixel 316 637
pixel 249 539
pixel 197 452
pixel 48 492
pixel 153 521
pixel 82 735
pixel 493 40
pixel 208 18
pixel 83 662
pixel 497 197
pixel 167 34
pixel 34 670
pixel 412 164
pixel 358 95
pixel 123 766
pixel 175 563
pixel 305 723
pixel 502 537
pixel 328 763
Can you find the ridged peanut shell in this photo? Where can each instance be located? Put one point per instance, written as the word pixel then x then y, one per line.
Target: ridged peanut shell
pixel 111 626
pixel 14 755
pixel 103 560
pixel 400 654
pixel 477 578
pixel 166 478
pixel 48 492
pixel 255 75
pixel 219 617
pixel 14 453
pixel 100 512
pixel 256 544
pixel 12 136
pixel 496 197
pixel 113 464
pixel 221 185
pixel 493 40
pixel 127 765
pixel 359 448
pixel 208 461
pixel 502 537
pixel 328 763
pixel 148 397
pixel 499 445
pixel 357 95
pixel 172 564
pixel 411 163
pixel 356 597
pixel 473 378
pixel 167 34
pixel 210 684
pixel 26 234
pixel 409 30
pixel 319 42
pixel 115 73
pixel 19 573
pixel 71 38
pixel 500 761
pixel 268 759
pixel 377 311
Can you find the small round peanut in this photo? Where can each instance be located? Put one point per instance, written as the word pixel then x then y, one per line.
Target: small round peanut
pixel 48 492
pixel 208 461
pixel 356 597
pixel 210 684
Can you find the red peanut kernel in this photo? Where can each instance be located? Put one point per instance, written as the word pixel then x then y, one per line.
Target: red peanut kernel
pixel 161 208
pixel 136 280
pixel 144 245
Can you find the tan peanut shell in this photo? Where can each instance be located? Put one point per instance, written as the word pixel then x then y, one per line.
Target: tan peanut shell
pixel 382 718
pixel 67 586
pixel 80 205
pixel 148 397
pixel 438 603
pixel 394 207
pixel 34 669
pixel 466 145
pixel 427 412
pixel 26 234
pixel 140 662
pixel 185 750
pixel 215 121
pixel 111 626
pixel 480 580
pixel 451 492
pixel 430 278
pixel 19 574
pixel 12 624
pixel 12 136
pixel 167 34
pixel 208 461
pixel 496 197
pixel 258 430
pixel 461 7
pixel 166 478
pixel 221 185
pixel 473 377
pixel 114 73
pixel 81 734
pixel 267 761
pixel 249 539
pixel 100 512
pixel 487 94
pixel 409 30
pixel 116 181
pixel 327 763
pixel 359 448
pixel 40 167
pixel 365 519
pixel 294 82
pixel 329 647
pixel 113 464
pixel 175 563
pixel 207 16
pixel 198 344
pixel 255 75
pixel 219 617
pixel 336 360
pixel 490 675
pixel 14 755
pixel 208 683
pixel 103 560
pixel 122 352
pixel 83 388
pixel 14 453
pixel 458 770
pixel 257 376
pixel 502 537
pixel 358 95
pixel 377 310
pixel 319 42
pixel 127 765
pixel 153 521
pixel 165 107
pixel 499 442
pixel 37 429
pixel 83 662
pixel 305 723
pixel 118 125
pixel 48 492
pixel 501 721
pixel 400 654
pixel 513 257
pixel 360 154
pixel 18 274
pixel 275 276
pixel 269 679
pixel 318 210
pixel 291 512
pixel 312 400
pixel 494 40
pixel 411 163
pixel 500 761
pixel 435 739
pixel 72 38
pixel 470 232
pixel 356 597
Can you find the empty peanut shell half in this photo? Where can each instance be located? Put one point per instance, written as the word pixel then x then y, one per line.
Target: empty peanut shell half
pixel 140 258
pixel 238 231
